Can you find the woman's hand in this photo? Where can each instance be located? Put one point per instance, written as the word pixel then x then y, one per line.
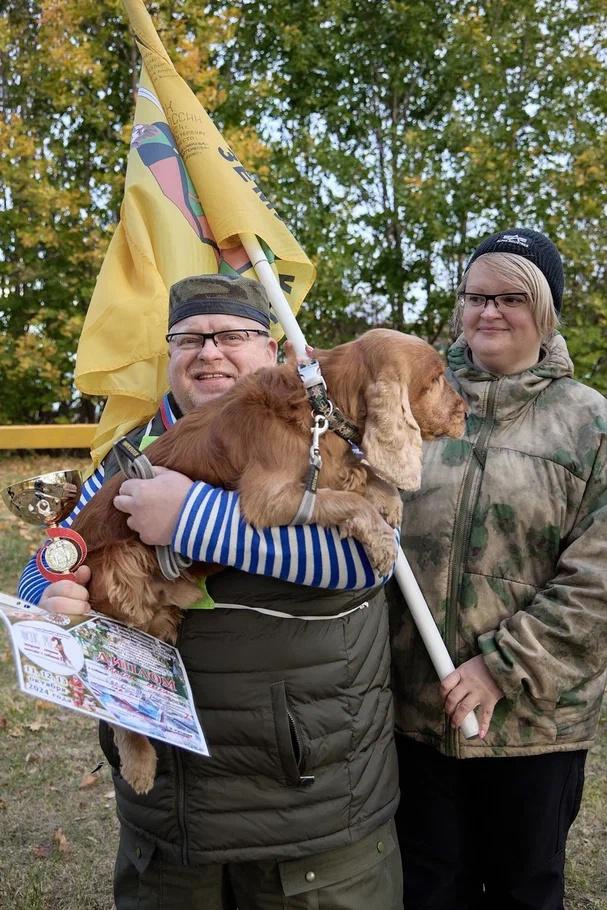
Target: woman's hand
pixel 471 686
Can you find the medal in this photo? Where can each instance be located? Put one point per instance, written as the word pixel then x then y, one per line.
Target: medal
pixel 60 555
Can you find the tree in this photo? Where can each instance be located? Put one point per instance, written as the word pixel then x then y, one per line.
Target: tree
pixel 420 127
pixel 63 78
pixel 391 135
pixel 68 73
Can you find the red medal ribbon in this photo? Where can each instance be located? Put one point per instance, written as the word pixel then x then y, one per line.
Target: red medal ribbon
pixel 67 534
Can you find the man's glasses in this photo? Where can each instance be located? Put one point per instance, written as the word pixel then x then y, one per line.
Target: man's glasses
pixel 225 341
pixel 480 301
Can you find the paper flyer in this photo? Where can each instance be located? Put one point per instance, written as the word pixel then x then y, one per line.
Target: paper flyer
pixel 102 668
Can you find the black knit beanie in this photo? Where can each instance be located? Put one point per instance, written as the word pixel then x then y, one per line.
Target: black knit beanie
pixel 535 247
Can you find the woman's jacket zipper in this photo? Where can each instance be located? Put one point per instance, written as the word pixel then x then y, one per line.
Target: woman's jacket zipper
pixel 461 537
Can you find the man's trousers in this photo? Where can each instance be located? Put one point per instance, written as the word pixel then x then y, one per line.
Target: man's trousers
pixel 362 876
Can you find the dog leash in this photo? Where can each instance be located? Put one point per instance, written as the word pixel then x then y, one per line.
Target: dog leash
pixel 303 515
pixel 136 465
pixel 316 391
pixel 326 417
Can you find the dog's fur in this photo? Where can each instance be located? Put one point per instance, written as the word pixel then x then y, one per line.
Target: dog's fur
pixel 256 439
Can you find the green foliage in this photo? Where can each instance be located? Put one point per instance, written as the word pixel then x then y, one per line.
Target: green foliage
pixel 65 90
pixel 68 72
pixel 409 130
pixel 392 135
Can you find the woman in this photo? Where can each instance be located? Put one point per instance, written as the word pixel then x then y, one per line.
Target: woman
pixel 507 537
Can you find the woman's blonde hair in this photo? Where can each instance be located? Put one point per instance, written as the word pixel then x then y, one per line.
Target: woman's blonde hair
pixel 521 271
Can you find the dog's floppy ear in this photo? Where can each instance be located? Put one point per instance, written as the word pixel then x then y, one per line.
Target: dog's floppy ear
pixel 392 441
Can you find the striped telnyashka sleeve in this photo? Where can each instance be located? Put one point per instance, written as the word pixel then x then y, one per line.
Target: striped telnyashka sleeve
pixel 211 529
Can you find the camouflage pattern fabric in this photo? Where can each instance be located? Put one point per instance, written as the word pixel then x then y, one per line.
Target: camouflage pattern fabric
pixel 508 540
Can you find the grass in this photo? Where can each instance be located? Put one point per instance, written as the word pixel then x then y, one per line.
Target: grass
pixel 58 838
pixel 587 848
pixel 59 831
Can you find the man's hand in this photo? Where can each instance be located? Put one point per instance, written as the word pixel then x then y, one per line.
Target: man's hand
pixel 68 596
pixel 471 686
pixel 153 506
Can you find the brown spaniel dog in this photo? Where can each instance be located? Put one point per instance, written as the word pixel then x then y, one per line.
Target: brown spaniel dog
pixel 256 439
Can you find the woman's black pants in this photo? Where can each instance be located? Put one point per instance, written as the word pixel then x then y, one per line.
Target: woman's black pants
pixel 485 833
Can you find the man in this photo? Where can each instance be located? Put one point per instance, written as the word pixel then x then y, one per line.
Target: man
pixel 294 808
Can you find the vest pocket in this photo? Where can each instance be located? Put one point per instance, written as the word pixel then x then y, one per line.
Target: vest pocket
pixel 289 739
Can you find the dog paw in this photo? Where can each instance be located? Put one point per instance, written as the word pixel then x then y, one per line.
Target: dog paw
pixel 381 550
pixel 138 762
pixel 351 527
pixel 392 512
pixel 377 539
pixel 140 777
pixel 386 499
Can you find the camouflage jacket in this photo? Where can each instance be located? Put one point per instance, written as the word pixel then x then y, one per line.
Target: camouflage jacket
pixel 508 540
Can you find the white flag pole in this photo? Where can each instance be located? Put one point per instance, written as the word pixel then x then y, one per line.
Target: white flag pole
pixel 435 646
pixel 407 582
pixel 270 282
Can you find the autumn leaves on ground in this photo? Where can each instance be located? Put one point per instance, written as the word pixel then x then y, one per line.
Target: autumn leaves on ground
pixel 57 817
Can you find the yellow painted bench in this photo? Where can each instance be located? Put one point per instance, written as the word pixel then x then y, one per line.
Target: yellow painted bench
pixel 48 436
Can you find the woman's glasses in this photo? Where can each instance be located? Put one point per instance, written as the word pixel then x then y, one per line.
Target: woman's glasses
pixel 480 301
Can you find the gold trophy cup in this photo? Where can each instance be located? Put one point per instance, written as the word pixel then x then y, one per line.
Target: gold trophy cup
pixel 46 500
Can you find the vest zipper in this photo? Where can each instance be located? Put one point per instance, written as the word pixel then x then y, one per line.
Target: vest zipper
pixel 180 804
pixel 180 787
pixel 295 738
pixel 461 536
pixel 304 779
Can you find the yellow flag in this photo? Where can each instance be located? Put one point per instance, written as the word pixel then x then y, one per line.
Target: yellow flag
pixel 187 199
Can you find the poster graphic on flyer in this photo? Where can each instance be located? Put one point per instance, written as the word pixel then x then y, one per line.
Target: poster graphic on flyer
pixel 98 666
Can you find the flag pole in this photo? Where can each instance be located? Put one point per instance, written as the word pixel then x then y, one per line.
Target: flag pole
pixel 271 284
pixel 403 573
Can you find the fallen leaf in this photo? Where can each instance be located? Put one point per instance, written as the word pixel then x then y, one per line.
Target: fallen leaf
pixel 63 845
pixel 36 725
pixel 88 780
pixel 44 705
pixel 109 794
pixel 42 851
pixel 16 732
pixel 3 723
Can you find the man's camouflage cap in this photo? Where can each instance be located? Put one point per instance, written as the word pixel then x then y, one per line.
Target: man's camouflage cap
pixel 201 295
